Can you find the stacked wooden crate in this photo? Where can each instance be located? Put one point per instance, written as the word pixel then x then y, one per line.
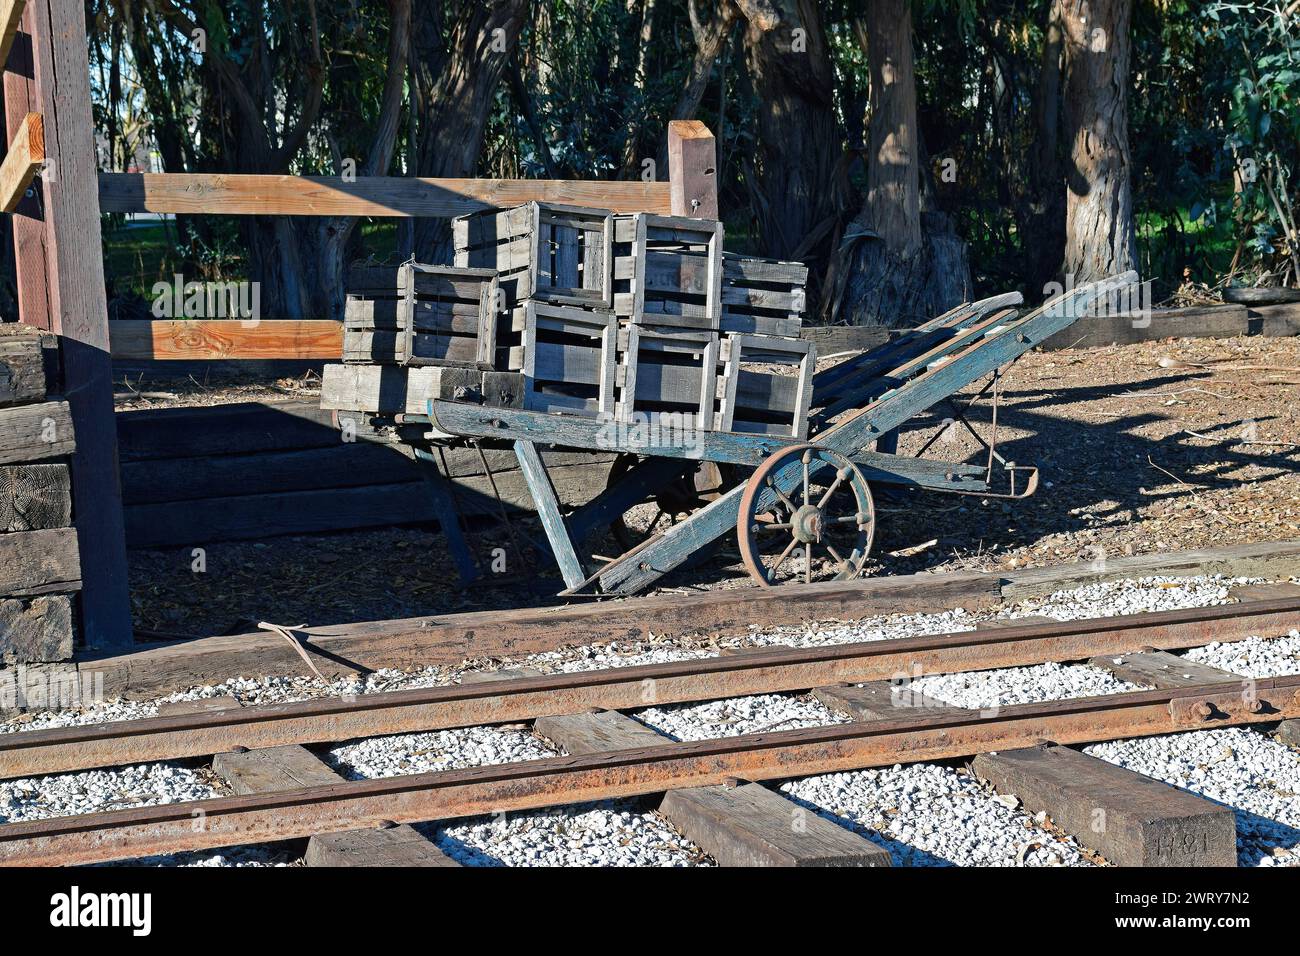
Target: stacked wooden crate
pixel 554 265
pixel 414 332
pixel 578 311
pixel 708 333
pixel 40 569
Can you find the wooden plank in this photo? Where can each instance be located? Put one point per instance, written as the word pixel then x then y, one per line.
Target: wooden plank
pixel 1162 669
pixel 1130 819
pixel 750 825
pixel 11 11
pixel 224 339
pixel 747 825
pixel 883 700
pixel 1271 559
pixel 548 510
pixel 692 170
pixel 39 562
pixel 400 846
pixel 211 430
pixel 36 432
pixel 34 497
pixel 1265 592
pixel 22 365
pixel 23 160
pixel 204 705
pixel 77 311
pixel 276 769
pixel 834 339
pixel 418 642
pixel 381 196
pixel 1215 321
pixel 35 630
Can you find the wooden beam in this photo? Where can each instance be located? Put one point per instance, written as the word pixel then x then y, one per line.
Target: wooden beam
pixel 22 162
pixel 219 339
pixel 11 11
pixel 1130 819
pixel 66 296
pixel 692 170
pixel 380 196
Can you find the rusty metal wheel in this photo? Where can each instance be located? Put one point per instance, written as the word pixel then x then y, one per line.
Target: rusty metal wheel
pixel 820 530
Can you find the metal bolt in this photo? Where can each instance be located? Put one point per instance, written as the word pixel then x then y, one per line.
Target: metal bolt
pixel 1203 710
pixel 239 750
pixel 386 825
pixel 1255 706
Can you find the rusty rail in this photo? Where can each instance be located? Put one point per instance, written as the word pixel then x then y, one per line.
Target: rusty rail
pixel 229 821
pixel 33 753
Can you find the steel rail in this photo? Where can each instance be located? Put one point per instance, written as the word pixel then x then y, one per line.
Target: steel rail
pixel 37 752
pixel 261 818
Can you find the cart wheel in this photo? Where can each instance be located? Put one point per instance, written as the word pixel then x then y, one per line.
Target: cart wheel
pixel 829 510
pixel 677 499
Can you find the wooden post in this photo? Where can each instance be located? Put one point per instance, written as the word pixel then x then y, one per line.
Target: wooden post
pixel 692 169
pixel 60 278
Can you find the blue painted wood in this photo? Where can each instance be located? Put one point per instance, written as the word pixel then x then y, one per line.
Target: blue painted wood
pixel 548 510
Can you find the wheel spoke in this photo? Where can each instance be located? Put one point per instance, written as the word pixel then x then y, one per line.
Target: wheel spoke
pixel 805 481
pixel 774 526
pixel 781 560
pixel 807 563
pixel 844 519
pixel 829 491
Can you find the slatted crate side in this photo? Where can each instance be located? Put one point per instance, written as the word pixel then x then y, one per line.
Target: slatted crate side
pixel 568 358
pixel 548 251
pixel 763 296
pixel 415 314
pixel 667 370
pixel 668 271
pixel 398 390
pixel 766 387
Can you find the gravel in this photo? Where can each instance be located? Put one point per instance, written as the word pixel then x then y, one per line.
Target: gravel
pixel 928 815
pixel 440 750
pixel 141 785
pixel 1020 685
pixel 737 715
pixel 1256 775
pixel 1253 657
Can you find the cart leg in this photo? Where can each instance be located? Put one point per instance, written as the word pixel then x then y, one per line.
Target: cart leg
pixel 548 509
pixel 444 508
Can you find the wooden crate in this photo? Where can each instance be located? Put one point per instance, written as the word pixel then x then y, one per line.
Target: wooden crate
pixel 763 296
pixel 766 386
pixel 568 358
pixel 668 271
pixel 394 390
pixel 560 254
pixel 415 314
pixel 667 370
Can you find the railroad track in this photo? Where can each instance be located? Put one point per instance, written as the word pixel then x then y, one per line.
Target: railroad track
pixel 622 770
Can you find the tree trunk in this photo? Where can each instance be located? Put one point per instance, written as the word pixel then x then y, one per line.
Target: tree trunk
pixel 897 264
pixel 1099 228
pixel 456 83
pixel 794 175
pixel 1044 242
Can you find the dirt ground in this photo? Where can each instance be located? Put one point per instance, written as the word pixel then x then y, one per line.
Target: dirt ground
pixel 1144 448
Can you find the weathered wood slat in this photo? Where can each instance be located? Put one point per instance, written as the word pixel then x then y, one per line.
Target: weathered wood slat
pixel 692 170
pixel 11 12
pixel 883 700
pixel 22 365
pixel 1129 819
pixel 547 505
pixel 238 428
pixel 35 432
pixel 34 497
pixel 39 562
pixel 1162 669
pixel 381 196
pixel 35 629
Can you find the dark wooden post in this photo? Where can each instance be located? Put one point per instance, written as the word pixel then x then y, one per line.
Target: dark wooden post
pixel 692 169
pixel 60 278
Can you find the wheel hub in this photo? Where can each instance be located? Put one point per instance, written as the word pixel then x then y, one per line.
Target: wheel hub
pixel 806 524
